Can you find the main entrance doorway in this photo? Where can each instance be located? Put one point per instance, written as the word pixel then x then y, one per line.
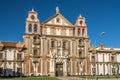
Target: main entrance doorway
pixel 59 69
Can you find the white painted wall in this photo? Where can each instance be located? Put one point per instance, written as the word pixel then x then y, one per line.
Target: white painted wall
pixel 101 69
pixel 10 54
pixel 58 31
pixel 48 30
pixel 67 32
pixel 106 69
pixel 106 58
pixel 54 21
pixel 100 57
pixel 118 57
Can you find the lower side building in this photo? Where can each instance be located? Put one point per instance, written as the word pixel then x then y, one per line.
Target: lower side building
pixel 106 61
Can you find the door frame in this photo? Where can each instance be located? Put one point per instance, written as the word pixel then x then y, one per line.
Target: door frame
pixel 59 65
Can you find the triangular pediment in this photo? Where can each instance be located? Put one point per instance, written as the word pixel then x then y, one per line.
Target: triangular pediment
pixel 58 19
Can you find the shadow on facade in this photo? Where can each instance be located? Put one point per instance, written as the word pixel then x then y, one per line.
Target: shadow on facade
pixel 11 73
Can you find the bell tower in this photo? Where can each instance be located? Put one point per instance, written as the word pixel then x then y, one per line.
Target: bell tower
pixel 32 42
pixel 83 42
pixel 32 23
pixel 81 27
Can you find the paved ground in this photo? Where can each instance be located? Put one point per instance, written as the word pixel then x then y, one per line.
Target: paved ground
pixel 76 78
pixel 69 78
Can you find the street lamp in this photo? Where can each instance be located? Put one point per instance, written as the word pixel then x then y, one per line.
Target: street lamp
pixel 101 34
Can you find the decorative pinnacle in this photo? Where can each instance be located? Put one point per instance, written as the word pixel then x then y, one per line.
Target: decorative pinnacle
pixel 32 9
pixel 80 15
pixel 57 10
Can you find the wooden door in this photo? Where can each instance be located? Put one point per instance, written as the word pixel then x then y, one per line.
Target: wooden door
pixel 59 69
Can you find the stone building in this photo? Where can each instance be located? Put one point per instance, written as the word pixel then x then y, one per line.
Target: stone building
pixel 56 47
pixel 107 60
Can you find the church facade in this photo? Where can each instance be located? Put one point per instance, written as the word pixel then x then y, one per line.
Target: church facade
pixel 56 47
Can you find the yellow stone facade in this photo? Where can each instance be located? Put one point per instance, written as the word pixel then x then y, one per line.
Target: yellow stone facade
pixel 55 47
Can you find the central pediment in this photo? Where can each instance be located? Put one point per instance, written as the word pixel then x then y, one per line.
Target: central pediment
pixel 58 19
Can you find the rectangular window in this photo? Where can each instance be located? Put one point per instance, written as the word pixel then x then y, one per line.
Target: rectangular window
pixel 64 45
pixel 19 70
pixel 92 58
pixel 58 20
pixel 19 56
pixel 67 32
pixel 80 42
pixel 1 70
pixel 1 55
pixel 80 54
pixel 93 71
pixel 112 58
pixel 73 32
pixel 52 44
pixel 113 71
pixel 78 31
pixel 48 30
pixel 58 32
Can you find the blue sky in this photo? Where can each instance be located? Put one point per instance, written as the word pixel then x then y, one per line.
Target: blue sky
pixel 101 16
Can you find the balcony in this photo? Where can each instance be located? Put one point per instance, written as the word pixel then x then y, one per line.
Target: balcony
pixel 1 56
pixel 80 45
pixel 92 60
pixel 82 56
pixel 36 42
pixel 65 48
pixel 113 61
pixel 19 59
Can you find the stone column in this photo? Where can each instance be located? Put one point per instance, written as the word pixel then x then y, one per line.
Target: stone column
pixel 62 48
pixel 65 67
pixel 41 47
pixel 70 47
pixel 52 67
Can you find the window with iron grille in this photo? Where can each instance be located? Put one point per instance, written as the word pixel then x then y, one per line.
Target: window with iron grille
pixel 19 70
pixel 1 70
pixel 64 45
pixel 19 56
pixel 92 58
pixel 52 44
pixel 93 71
pixel 1 55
